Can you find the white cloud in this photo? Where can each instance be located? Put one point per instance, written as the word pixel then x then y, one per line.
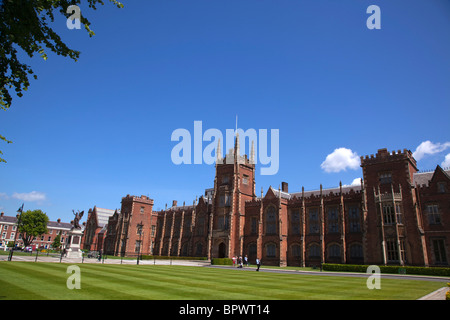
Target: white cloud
pixel 428 147
pixel 341 159
pixel 446 162
pixel 355 182
pixel 30 196
pixel 3 196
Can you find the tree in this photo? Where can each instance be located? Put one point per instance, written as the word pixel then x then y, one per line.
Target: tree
pixel 57 242
pixel 31 224
pixel 24 24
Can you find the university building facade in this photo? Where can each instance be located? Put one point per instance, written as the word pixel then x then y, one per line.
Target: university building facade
pixel 395 216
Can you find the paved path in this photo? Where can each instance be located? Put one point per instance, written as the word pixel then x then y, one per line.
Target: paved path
pixel 436 295
pixel 343 274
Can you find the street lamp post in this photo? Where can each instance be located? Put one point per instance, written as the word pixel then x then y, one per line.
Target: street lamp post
pixel 140 227
pixel 15 235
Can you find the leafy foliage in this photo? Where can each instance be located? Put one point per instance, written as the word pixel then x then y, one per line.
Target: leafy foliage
pixel 25 24
pixel 57 241
pixel 32 223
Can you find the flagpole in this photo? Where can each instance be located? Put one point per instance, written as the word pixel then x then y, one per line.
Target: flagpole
pixel 15 234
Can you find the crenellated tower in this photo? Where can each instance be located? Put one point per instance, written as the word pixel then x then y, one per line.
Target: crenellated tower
pixel 234 184
pixel 392 236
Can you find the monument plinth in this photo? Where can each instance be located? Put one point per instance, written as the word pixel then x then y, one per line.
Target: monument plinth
pixel 74 240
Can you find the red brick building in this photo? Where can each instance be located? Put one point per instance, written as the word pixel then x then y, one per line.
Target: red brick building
pixel 131 230
pixel 395 216
pixel 8 230
pixel 95 228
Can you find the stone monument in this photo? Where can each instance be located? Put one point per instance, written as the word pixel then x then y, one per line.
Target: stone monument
pixel 75 234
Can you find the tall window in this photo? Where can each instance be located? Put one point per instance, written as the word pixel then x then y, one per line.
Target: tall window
pixel 176 227
pixel 333 220
pixel 295 221
pixel 314 251
pixel 200 226
pixel 271 250
pixel 356 251
pixel 398 212
pixel 224 200
pixel 439 251
pixel 385 177
pixel 442 187
pixel 334 251
pixel 254 226
pixel 137 247
pixel 222 222
pixel 388 213
pixel 313 220
pixel 392 250
pixel 271 221
pixel 354 219
pixel 434 216
pixel 296 251
pixel 199 249
pixel 252 250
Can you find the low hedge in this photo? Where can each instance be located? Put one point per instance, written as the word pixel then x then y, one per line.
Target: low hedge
pixel 430 271
pixel 148 257
pixel 222 261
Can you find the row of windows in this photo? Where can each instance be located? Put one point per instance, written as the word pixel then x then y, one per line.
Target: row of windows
pixel 312 251
pixel 19 237
pixel 6 227
pixel 333 221
pixel 392 213
pixel 386 178
pixel 394 251
pixel 198 249
pixel 226 179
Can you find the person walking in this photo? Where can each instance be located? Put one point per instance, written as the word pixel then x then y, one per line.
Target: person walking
pixel 234 261
pixel 246 260
pixel 258 264
pixel 240 262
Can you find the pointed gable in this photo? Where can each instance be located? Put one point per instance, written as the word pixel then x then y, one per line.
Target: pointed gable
pixel 440 180
pixel 270 194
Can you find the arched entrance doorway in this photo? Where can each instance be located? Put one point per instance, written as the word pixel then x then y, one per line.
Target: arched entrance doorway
pixel 222 250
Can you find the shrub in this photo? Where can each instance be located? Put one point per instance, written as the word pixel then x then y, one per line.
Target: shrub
pixel 222 261
pixel 447 295
pixel 148 257
pixel 431 271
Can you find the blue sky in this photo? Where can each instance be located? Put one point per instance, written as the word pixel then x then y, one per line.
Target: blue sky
pixel 89 132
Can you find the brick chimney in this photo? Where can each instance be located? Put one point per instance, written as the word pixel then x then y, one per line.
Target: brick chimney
pixel 59 220
pixel 284 187
pixel 174 203
pixel 2 214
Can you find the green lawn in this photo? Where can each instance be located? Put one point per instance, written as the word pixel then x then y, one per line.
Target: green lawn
pixel 29 280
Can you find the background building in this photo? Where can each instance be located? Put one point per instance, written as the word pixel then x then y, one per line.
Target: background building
pixel 95 228
pixel 397 215
pixel 8 229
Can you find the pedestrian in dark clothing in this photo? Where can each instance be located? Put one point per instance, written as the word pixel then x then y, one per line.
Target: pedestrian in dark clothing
pixel 258 263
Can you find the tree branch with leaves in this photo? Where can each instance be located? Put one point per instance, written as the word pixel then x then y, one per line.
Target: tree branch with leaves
pixel 24 24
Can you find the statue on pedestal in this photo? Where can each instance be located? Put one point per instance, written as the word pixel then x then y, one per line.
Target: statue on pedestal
pixel 76 221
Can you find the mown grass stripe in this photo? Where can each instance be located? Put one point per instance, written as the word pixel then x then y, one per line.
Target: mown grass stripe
pixel 28 280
